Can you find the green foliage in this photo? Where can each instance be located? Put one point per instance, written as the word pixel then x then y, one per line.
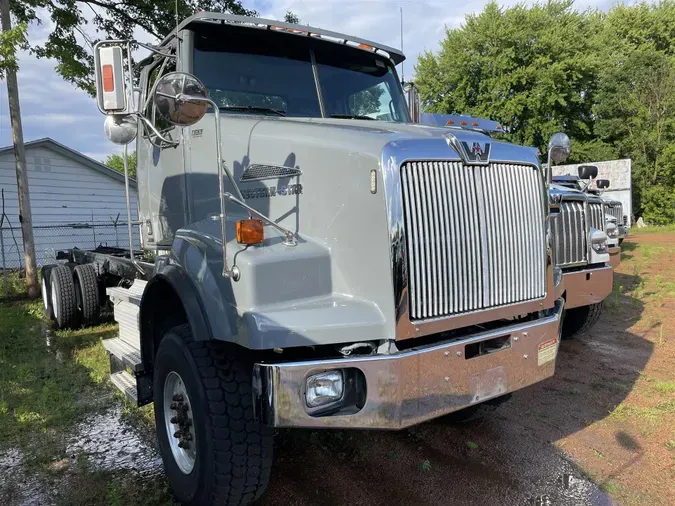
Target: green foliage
pixel 117 162
pixel 608 80
pixel 112 19
pixel 10 40
pixel 530 68
pixel 291 17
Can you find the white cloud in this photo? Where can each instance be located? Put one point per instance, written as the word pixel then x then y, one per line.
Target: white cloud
pixel 52 107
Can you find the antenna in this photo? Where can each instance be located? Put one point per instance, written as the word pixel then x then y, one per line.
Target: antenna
pixel 402 63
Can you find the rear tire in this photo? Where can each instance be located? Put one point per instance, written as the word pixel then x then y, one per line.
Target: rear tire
pixel 64 304
pixel 580 320
pixel 231 459
pixel 87 294
pixel 47 291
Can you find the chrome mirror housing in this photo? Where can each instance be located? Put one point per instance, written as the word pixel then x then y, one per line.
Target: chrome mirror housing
pixel 181 98
pixel 559 148
pixel 120 128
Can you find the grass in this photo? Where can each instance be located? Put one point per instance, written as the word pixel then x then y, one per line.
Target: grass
pixel 652 230
pixel 46 379
pixel 49 380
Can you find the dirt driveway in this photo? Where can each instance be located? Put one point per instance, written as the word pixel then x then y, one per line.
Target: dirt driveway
pixel 601 432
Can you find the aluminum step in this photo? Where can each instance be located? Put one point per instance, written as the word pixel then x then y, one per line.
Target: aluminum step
pixel 129 355
pixel 127 384
pixel 133 294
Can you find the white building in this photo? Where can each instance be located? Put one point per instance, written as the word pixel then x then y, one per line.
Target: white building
pixel 75 202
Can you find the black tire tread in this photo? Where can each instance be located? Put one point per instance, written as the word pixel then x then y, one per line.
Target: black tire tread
pixel 243 446
pixel 580 320
pixel 85 276
pixel 67 303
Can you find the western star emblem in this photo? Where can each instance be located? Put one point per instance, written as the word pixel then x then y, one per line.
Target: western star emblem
pixel 477 153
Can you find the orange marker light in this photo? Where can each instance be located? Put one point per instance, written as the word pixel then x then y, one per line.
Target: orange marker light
pixel 498 127
pixel 463 123
pixel 108 80
pixel 474 123
pixel 250 232
pixel 450 122
pixel 366 47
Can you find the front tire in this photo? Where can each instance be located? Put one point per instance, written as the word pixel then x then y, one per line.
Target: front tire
pixel 580 320
pixel 225 455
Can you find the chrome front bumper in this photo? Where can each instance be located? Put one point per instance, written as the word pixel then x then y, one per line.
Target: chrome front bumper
pixel 587 287
pixel 417 385
pixel 614 256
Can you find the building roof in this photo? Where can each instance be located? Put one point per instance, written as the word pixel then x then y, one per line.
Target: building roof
pixel 76 156
pixel 300 30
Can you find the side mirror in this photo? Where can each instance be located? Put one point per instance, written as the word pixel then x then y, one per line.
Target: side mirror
pixel 588 172
pixel 181 98
pixel 602 184
pixel 414 105
pixel 559 147
pixel 120 128
pixel 111 79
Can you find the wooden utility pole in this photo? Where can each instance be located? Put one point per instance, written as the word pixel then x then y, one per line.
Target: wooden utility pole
pixel 21 171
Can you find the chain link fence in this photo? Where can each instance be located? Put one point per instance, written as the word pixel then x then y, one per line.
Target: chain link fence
pixel 49 239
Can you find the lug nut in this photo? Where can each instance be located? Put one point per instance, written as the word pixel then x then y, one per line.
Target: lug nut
pixel 178 434
pixel 184 445
pixel 174 420
pixel 173 405
pixel 185 407
pixel 187 437
pixel 177 398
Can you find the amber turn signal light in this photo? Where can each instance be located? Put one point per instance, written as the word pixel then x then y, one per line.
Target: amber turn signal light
pixel 250 232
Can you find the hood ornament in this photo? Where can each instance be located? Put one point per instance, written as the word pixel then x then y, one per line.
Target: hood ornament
pixel 471 153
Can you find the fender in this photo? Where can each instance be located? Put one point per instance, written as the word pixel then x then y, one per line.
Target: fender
pixel 184 293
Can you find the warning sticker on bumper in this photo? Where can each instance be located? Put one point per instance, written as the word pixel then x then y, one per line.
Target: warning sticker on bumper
pixel 547 351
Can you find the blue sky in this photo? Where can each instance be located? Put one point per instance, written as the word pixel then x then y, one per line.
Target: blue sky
pixel 52 107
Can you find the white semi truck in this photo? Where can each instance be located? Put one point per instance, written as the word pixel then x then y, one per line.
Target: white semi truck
pixel 311 257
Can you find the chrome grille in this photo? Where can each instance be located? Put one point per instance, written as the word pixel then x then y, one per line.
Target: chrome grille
pixel 596 216
pixel 569 232
pixel 473 241
pixel 615 209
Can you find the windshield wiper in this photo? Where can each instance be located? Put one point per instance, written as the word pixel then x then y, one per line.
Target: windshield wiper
pixel 251 108
pixel 350 116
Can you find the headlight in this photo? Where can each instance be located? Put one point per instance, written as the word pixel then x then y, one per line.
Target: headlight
pixel 598 241
pixel 612 230
pixel 324 388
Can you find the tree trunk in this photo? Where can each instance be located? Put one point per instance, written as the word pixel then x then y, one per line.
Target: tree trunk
pixel 21 171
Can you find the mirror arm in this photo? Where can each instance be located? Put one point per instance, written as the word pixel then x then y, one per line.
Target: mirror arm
pixel 148 124
pixel 549 168
pixel 154 86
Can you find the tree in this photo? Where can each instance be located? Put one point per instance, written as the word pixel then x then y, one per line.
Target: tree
pixel 290 17
pixel 111 19
pixel 533 69
pixel 635 104
pixel 116 162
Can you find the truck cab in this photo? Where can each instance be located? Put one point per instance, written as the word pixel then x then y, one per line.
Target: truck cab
pixel 584 249
pixel 312 257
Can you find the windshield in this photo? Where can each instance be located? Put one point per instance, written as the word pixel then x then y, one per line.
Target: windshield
pixel 247 75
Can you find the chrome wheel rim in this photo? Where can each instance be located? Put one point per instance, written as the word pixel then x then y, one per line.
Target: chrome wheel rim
pixel 179 424
pixel 45 296
pixel 54 304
